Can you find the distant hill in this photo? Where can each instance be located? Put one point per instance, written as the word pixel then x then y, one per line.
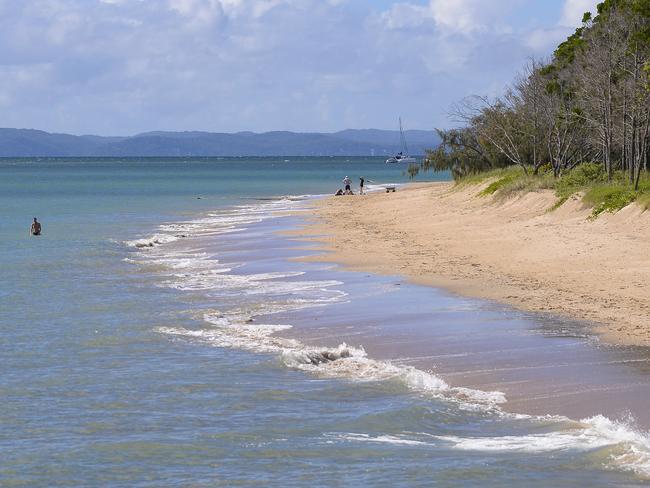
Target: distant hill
pixel 350 142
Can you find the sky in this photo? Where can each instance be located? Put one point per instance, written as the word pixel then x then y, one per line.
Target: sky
pixel 120 67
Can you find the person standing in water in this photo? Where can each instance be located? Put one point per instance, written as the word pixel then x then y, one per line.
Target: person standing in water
pixel 36 228
pixel 362 181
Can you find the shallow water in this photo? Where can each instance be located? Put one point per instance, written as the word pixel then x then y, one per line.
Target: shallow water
pixel 134 356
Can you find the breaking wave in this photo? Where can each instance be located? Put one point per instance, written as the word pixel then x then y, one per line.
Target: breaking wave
pixel 234 219
pixel 266 293
pixel 619 445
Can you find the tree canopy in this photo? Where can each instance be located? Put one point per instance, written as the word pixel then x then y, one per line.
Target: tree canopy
pixel 590 102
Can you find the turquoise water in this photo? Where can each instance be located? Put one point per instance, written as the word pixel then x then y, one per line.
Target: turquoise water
pixel 136 349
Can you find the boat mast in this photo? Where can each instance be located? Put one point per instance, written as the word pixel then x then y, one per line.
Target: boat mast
pixel 405 149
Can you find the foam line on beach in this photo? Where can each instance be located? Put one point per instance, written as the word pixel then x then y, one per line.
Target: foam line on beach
pixel 627 447
pixel 285 291
pixel 621 445
pixel 233 219
pixel 381 439
pixel 154 240
pixel 587 434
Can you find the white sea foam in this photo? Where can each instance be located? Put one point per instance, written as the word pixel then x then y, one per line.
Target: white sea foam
pixel 235 329
pixel 193 270
pixel 282 292
pixel 629 448
pixel 215 223
pixel 155 240
pixel 554 441
pixel 353 363
pixel 188 260
pixel 618 445
pixel 382 439
pixel 241 336
pixel 250 284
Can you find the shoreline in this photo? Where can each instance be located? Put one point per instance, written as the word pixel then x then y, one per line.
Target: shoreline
pixel 409 340
pixel 509 251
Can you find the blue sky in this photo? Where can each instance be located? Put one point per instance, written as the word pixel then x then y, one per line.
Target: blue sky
pixel 118 67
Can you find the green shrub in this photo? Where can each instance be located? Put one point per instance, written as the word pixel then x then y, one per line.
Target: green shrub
pixel 525 184
pixel 476 178
pixel 500 177
pixel 578 179
pixel 644 183
pixel 497 185
pixel 587 178
pixel 609 198
pixel 643 200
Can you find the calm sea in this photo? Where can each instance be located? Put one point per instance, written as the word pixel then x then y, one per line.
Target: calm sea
pixel 146 341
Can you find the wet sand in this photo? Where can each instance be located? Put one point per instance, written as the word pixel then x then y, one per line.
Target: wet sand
pixel 513 251
pixel 545 364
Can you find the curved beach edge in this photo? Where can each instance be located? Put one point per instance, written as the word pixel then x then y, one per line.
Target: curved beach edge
pixel 513 250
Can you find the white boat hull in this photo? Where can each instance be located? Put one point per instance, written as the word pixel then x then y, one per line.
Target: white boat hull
pixel 402 157
pixel 404 160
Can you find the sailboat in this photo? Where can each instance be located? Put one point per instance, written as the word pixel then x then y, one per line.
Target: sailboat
pixel 403 155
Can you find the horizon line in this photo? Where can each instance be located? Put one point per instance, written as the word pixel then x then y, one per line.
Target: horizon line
pixel 199 131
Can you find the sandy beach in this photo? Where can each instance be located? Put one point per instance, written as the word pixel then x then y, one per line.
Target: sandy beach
pixel 509 250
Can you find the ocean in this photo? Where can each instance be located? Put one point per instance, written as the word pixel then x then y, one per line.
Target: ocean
pixel 161 333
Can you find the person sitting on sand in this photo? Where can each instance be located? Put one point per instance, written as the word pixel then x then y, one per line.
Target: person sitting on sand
pixel 338 193
pixel 36 228
pixel 347 182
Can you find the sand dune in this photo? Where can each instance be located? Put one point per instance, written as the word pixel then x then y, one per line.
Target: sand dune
pixel 512 251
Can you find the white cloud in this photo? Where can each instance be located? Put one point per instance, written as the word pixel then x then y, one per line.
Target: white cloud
pixel 124 66
pixel 404 16
pixel 464 17
pixel 209 10
pixel 460 15
pixel 573 11
pixel 545 39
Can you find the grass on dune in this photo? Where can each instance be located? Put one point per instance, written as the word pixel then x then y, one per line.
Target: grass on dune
pixel 526 183
pixel 499 184
pixel 511 181
pixel 612 196
pixel 608 198
pixel 643 200
pixel 589 179
pixel 477 178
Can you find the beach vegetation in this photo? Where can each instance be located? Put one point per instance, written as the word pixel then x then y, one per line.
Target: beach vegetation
pixel 589 182
pixel 608 198
pixel 578 180
pixel 500 183
pixel 577 123
pixel 485 176
pixel 643 201
pixel 527 183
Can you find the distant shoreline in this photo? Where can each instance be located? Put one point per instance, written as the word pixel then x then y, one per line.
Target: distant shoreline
pixel 349 142
pixel 272 156
pixel 511 251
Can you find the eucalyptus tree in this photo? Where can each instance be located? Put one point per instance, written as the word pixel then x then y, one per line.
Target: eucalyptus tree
pixel 589 102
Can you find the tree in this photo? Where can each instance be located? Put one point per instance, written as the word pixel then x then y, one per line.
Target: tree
pixel 589 102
